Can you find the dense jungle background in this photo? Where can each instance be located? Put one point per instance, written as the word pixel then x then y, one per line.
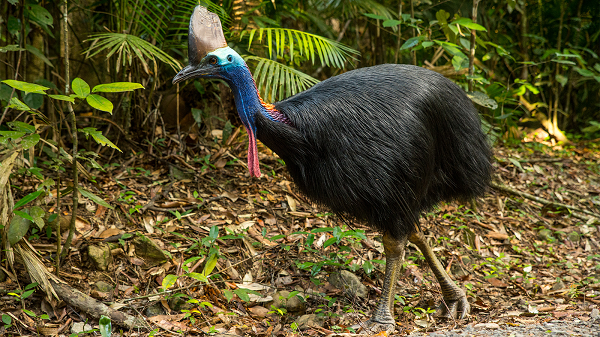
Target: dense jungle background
pixel 163 230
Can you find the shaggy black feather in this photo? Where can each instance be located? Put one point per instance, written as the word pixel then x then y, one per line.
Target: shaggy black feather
pixel 382 144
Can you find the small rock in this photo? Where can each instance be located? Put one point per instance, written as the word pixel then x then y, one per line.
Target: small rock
pixel 545 235
pixel 595 313
pixel 80 327
pixel 155 310
pixel 178 174
pixel 148 250
pixel 103 287
pixel 306 321
pixel 292 304
pixel 558 285
pixel 348 282
pixel 178 303
pixel 487 326
pixel 100 256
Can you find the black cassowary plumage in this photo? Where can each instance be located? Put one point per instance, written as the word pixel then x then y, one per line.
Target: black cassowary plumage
pixel 382 144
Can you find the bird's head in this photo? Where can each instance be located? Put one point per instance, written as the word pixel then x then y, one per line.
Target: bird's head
pixel 210 57
pixel 220 63
pixel 208 53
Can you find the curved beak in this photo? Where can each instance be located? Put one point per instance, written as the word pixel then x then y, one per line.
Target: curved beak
pixel 201 70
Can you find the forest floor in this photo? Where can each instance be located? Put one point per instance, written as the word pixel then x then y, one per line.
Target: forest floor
pixel 268 253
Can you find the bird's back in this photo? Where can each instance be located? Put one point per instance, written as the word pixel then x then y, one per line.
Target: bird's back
pixel 382 143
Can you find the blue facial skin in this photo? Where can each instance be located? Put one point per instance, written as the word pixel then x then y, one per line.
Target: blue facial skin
pixel 226 64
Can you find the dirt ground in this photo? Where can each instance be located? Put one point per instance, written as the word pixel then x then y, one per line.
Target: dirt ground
pixel 244 256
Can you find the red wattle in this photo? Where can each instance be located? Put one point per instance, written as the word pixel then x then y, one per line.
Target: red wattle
pixel 253 156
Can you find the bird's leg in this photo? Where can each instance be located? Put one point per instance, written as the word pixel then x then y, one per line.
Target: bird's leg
pixel 382 318
pixel 455 301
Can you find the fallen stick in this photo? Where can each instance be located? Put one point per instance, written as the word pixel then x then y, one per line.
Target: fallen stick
pixel 578 212
pixel 95 308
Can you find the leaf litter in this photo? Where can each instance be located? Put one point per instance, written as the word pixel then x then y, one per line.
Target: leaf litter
pixel 233 244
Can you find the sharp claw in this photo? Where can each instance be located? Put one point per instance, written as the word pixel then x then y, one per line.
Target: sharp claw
pixel 371 327
pixel 454 309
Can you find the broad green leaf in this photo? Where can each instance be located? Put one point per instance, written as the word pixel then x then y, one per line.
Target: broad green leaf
pixel 33 100
pixel 198 276
pixel 17 230
pixel 413 41
pixel 459 62
pixel 517 164
pixel 482 99
pixel 329 242
pixel 80 88
pixel 39 14
pixel 105 326
pixel 584 72
pixel 99 102
pixel 24 215
pixel 26 86
pixel 28 198
pixel 117 87
pixel 11 47
pixel 427 44
pixel 39 54
pixel 210 265
pixel 475 26
pixel 568 55
pixel 571 63
pixel 375 16
pixel 21 127
pixel 169 281
pixel 368 267
pixel 94 198
pixel 26 295
pixel 242 294
pixel 98 137
pixel 391 23
pixel 30 141
pixel 63 98
pixel 12 134
pixel 562 79
pixel 466 22
pixel 37 213
pixel 451 48
pixel 6 319
pixel 228 294
pixel 197 114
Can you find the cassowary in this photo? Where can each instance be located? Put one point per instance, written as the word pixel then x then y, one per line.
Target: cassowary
pixel 382 144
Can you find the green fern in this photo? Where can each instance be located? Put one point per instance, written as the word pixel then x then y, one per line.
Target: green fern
pixel 276 81
pixel 126 47
pixel 330 52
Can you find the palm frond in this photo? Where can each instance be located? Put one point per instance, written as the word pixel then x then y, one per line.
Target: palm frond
pixel 330 52
pixel 276 81
pixel 126 47
pixel 351 9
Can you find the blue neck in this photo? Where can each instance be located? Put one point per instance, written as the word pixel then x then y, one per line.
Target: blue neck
pixel 247 100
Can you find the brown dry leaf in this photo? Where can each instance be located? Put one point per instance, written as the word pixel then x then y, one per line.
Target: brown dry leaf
pixel 291 202
pixel 109 232
pixel 497 283
pixel 497 235
pixel 170 322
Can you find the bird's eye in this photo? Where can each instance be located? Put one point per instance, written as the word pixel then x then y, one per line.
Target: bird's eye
pixel 212 60
pixel 230 58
